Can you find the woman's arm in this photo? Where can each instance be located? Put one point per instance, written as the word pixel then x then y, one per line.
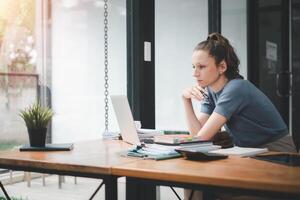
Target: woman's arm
pixel 194 123
pixel 212 126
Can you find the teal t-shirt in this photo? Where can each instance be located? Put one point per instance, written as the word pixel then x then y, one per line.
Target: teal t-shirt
pixel 252 119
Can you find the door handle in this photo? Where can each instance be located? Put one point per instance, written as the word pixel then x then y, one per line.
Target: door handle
pixel 289 85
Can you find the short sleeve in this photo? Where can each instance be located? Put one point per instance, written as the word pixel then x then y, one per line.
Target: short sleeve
pixel 232 99
pixel 207 106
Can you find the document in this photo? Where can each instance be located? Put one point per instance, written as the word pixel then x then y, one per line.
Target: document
pixel 240 151
pixel 176 139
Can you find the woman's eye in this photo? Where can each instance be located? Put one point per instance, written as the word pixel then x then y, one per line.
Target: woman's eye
pixel 198 67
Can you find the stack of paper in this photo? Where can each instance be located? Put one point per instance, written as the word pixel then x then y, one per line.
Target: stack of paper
pixel 148 133
pixel 240 151
pixel 176 139
pixel 200 148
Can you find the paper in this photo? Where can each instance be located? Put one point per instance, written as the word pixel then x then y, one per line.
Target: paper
pixel 271 51
pixel 203 149
pixel 240 151
pixel 176 139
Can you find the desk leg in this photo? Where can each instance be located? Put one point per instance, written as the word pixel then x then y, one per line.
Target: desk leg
pixel 137 189
pixel 111 188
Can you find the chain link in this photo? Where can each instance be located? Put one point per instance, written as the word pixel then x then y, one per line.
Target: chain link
pixel 106 63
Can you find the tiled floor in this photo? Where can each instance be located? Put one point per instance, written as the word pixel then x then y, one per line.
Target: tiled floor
pixel 71 191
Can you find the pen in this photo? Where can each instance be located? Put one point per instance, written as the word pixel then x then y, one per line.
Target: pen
pixel 204 94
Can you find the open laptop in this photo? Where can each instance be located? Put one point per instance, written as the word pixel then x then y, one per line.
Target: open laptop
pixel 125 119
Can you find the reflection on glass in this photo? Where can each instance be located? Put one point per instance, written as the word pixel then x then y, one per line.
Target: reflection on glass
pixel 18 79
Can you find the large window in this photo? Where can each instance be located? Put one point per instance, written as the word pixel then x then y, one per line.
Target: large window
pixel 179 26
pixel 78 66
pixel 18 68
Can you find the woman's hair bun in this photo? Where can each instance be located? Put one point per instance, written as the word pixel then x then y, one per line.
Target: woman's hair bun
pixel 220 48
pixel 217 37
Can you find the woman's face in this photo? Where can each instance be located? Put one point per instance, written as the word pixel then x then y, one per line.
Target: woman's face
pixel 206 71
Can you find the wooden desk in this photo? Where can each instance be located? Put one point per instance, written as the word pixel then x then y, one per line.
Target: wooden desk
pixel 234 175
pixel 92 159
pixel 101 159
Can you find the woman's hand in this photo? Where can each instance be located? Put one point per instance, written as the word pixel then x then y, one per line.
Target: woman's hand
pixel 195 92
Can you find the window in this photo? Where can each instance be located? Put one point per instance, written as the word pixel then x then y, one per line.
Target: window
pixel 18 68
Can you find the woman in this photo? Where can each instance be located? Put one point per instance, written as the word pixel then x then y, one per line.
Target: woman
pixel 227 100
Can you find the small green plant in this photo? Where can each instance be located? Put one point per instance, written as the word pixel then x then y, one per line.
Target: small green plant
pixel 36 116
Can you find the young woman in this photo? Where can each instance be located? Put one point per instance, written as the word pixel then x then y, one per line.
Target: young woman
pixel 228 100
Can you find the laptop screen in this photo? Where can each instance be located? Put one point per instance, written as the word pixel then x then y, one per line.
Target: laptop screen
pixel 125 119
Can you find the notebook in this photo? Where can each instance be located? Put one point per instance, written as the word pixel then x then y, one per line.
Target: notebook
pixel 240 151
pixel 48 147
pixel 125 119
pixel 176 139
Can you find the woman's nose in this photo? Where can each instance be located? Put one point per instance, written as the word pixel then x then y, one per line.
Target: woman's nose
pixel 196 72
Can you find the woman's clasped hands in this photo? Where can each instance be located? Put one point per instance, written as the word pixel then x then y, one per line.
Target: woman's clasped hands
pixel 195 92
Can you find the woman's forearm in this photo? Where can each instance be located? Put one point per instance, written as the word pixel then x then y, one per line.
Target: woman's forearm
pixel 192 122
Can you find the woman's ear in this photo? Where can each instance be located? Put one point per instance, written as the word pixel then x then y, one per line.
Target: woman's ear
pixel 222 67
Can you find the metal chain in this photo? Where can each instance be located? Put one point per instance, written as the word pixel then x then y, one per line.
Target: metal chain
pixel 106 63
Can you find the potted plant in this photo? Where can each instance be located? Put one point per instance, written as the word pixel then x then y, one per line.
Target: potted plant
pixel 36 118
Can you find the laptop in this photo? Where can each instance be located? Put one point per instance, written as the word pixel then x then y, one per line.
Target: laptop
pixel 125 119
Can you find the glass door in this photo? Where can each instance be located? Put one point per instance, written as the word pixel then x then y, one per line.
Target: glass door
pixel 274 61
pixel 273 50
pixel 295 56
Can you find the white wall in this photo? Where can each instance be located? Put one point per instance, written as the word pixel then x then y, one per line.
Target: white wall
pixel 78 66
pixel 179 26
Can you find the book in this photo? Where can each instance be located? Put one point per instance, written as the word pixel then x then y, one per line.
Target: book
pixel 240 151
pixel 200 156
pixel 49 147
pixel 148 133
pixel 199 148
pixel 176 139
pixel 154 151
pixel 152 131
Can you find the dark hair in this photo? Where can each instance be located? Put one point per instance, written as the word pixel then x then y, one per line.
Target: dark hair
pixel 220 49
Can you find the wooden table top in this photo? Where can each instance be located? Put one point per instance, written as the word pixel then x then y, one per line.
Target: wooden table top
pixel 234 172
pixel 95 157
pixel 103 157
